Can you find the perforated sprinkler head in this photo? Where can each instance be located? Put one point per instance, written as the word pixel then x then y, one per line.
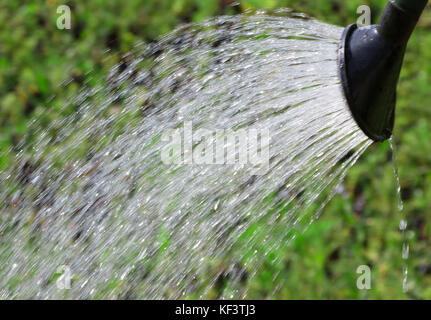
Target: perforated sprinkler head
pixel 370 61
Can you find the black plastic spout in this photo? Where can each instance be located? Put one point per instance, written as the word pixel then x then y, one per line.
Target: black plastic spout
pixel 370 61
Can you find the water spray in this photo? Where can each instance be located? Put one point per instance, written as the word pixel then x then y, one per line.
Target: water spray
pixel 370 61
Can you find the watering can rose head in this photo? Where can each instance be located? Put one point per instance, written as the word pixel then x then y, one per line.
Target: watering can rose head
pixel 370 61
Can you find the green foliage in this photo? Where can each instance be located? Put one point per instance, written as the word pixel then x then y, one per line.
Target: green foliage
pixel 360 227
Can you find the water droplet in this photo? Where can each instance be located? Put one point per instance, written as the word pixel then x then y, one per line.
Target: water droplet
pixel 403 225
pixel 405 251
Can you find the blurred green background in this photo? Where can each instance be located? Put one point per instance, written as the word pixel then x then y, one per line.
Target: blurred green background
pixel 357 228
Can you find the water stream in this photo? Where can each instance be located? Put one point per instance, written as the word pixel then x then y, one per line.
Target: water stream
pixel 403 222
pixel 91 194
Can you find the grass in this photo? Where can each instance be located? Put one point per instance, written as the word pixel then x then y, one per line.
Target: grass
pixel 357 228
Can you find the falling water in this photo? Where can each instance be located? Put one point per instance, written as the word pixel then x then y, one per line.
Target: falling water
pixel 91 194
pixel 403 222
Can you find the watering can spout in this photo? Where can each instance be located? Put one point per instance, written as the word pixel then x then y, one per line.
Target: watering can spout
pixel 370 60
